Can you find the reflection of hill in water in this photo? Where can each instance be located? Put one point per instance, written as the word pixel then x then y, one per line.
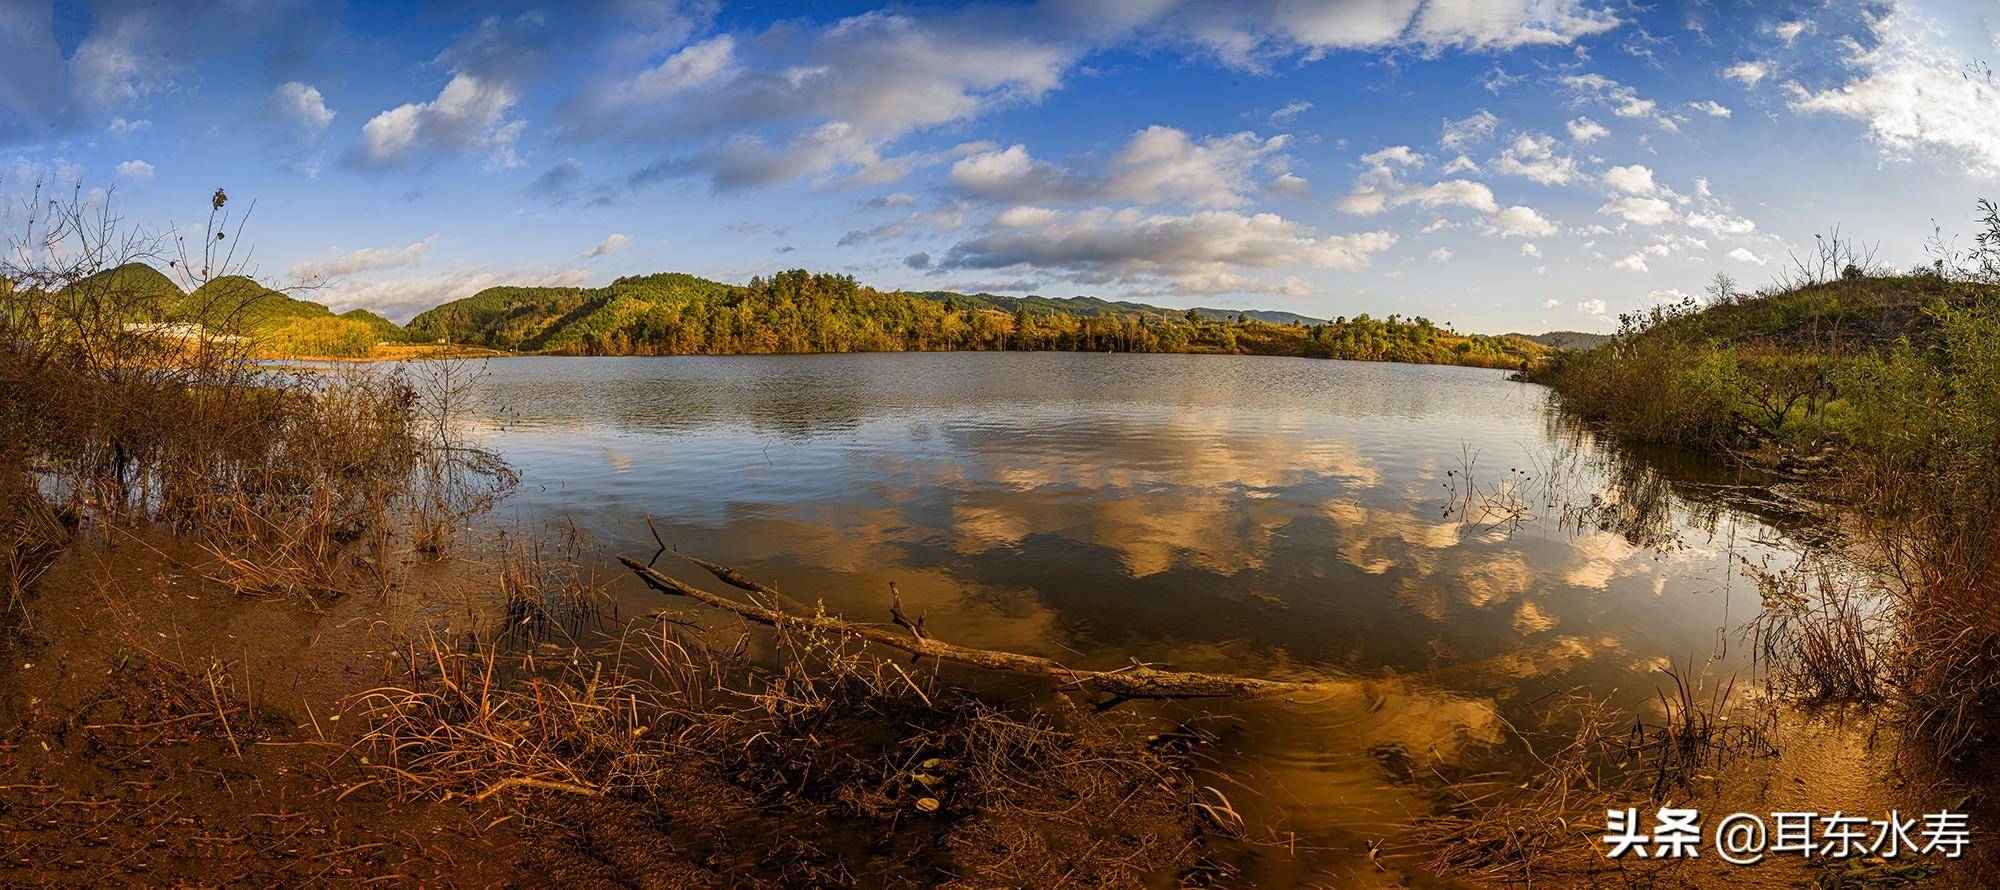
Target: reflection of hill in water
pixel 1245 514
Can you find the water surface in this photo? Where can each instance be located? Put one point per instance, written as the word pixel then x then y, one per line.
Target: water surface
pixel 1269 516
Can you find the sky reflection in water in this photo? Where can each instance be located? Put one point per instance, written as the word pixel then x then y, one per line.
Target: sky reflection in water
pixel 1263 516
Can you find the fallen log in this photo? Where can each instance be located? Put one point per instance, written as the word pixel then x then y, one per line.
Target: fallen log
pixel 1137 681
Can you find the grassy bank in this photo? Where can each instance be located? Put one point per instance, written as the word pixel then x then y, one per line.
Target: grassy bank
pixel 1882 392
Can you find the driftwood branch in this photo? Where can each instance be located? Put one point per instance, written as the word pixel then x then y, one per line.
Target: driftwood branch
pixel 1137 681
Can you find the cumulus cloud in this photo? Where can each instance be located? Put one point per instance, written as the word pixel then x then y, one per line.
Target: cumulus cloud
pixel 1379 189
pixel 1641 210
pixel 1441 254
pixel 1204 251
pixel 1744 255
pixel 1748 73
pixel 1668 295
pixel 1584 131
pixel 1531 250
pixel 919 261
pixel 610 245
pixel 1721 223
pixel 302 107
pixel 136 172
pixel 1288 185
pixel 1519 221
pixel 469 114
pixel 1711 108
pixel 367 259
pixel 1551 303
pixel 1914 93
pixel 1633 179
pixel 1533 156
pixel 1592 307
pixel 1157 164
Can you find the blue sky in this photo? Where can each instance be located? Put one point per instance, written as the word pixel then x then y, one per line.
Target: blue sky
pixel 1500 164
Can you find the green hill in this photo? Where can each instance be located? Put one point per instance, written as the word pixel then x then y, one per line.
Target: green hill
pixel 277 323
pixel 798 311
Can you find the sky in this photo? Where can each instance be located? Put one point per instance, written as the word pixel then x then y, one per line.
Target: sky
pixel 1497 164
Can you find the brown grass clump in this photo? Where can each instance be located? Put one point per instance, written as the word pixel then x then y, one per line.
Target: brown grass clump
pixel 833 766
pixel 1823 635
pixel 1546 830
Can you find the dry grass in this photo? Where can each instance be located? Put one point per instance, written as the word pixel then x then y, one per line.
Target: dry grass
pixel 1822 635
pixel 1545 830
pixel 828 765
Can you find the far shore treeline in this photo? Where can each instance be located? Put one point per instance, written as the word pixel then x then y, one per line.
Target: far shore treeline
pixel 804 312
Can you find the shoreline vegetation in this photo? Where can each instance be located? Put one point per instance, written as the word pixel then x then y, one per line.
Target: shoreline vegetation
pixel 1879 391
pixel 794 312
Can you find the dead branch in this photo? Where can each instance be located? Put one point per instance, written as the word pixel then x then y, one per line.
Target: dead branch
pixel 1137 681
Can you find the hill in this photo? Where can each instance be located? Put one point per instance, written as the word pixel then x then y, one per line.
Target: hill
pixel 276 323
pixel 798 311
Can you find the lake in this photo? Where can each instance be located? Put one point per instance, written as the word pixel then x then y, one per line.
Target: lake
pixel 1428 533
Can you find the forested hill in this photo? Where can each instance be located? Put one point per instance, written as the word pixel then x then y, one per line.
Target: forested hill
pixel 799 311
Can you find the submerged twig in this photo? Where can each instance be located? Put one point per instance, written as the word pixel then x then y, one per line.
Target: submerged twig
pixel 1138 681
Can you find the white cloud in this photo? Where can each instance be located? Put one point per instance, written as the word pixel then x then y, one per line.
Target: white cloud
pixel 1157 164
pixel 1632 263
pixel 1584 131
pixel 1519 221
pixel 468 114
pixel 1749 73
pixel 1469 131
pixel 616 242
pixel 1634 179
pixel 1720 223
pixel 1711 108
pixel 1441 254
pixel 1533 156
pixel 136 172
pixel 1622 100
pixel 1913 92
pixel 367 259
pixel 1198 249
pixel 1289 186
pixel 301 106
pixel 1251 34
pixel 1743 255
pixel 1644 211
pixel 1790 31
pixel 1461 164
pixel 122 128
pixel 1531 250
pixel 1551 303
pixel 1667 295
pixel 1291 110
pixel 1591 307
pixel 1162 163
